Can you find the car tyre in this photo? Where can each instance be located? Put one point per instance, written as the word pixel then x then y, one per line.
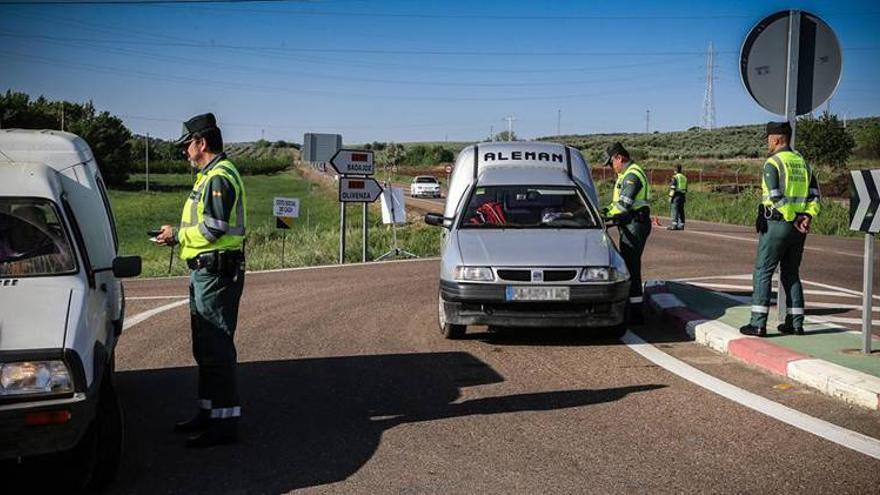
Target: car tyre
pixel 94 462
pixel 448 330
pixel 614 332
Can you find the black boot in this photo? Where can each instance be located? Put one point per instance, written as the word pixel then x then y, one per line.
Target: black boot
pixel 218 432
pixel 196 424
pixel 788 329
pixel 750 330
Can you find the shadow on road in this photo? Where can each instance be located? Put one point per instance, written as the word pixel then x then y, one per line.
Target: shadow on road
pixel 308 422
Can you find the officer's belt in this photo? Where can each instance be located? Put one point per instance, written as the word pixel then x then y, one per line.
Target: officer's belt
pixel 213 259
pixel 642 215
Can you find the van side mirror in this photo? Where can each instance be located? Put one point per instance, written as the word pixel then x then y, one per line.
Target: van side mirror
pixel 438 220
pixel 126 266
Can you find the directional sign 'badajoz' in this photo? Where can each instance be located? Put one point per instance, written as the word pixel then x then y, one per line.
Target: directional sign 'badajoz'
pixel 864 201
pixel 358 190
pixel 353 162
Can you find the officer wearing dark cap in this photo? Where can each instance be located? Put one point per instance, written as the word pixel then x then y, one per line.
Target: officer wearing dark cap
pixel 630 211
pixel 789 204
pixel 211 238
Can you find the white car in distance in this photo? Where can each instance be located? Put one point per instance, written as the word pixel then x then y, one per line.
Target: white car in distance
pixel 425 186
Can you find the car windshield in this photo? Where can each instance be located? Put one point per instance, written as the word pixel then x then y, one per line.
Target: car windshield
pixel 33 242
pixel 425 180
pixel 528 207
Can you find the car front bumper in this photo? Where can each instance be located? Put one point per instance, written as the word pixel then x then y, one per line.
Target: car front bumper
pixel 595 305
pixel 23 440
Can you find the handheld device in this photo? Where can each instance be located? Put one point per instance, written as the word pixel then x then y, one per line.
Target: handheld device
pixel 153 234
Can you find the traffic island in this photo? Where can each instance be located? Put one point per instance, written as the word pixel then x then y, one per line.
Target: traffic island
pixel 823 358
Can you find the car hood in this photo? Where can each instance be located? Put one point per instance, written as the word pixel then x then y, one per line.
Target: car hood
pixel 33 316
pixel 534 247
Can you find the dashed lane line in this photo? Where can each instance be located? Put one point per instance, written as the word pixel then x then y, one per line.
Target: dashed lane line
pixel 815 426
pixel 755 241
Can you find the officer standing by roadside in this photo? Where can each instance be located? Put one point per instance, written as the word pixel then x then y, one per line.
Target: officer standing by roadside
pixel 790 202
pixel 677 196
pixel 211 238
pixel 630 211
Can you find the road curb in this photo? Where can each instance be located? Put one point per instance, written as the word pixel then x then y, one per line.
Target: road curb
pixel 849 385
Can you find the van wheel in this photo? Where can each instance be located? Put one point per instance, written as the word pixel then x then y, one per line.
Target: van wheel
pixel 448 330
pixel 615 332
pixel 94 461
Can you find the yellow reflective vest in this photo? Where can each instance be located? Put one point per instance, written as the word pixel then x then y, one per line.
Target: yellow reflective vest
pixel 621 203
pixel 793 194
pixel 193 235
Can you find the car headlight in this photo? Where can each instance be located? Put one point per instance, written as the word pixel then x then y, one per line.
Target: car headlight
pixel 474 274
pixel 35 377
pixel 603 274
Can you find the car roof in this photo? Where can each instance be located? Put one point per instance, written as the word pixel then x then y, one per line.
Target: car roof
pixel 55 149
pixel 29 179
pixel 525 175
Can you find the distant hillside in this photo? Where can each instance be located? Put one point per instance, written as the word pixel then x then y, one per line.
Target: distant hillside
pixel 263 150
pixel 726 142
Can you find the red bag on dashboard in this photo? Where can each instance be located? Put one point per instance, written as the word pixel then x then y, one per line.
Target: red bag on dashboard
pixel 491 212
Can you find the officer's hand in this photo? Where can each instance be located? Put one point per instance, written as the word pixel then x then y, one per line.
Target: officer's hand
pixel 604 212
pixel 166 237
pixel 802 224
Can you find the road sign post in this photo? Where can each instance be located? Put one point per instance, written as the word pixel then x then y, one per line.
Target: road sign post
pixel 285 210
pixel 864 216
pixel 354 167
pixel 790 64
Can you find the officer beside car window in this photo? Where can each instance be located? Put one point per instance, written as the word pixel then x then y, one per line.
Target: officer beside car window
pixel 789 205
pixel 630 211
pixel 211 238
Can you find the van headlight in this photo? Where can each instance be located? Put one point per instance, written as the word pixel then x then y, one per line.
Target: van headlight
pixel 35 377
pixel 602 274
pixel 474 274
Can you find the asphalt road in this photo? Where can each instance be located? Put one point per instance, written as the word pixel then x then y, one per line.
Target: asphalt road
pixel 349 388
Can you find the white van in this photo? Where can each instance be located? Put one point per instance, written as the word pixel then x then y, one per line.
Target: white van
pixel 524 244
pixel 61 306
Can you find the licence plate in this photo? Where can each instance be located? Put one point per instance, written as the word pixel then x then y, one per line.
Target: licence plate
pixel 537 293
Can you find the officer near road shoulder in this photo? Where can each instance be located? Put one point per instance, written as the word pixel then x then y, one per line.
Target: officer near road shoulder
pixel 630 211
pixel 677 195
pixel 790 203
pixel 211 238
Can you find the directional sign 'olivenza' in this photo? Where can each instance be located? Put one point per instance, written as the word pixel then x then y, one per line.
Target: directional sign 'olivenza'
pixel 358 190
pixel 864 201
pixel 353 162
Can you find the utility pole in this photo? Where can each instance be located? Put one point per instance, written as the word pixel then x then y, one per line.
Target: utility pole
pixel 647 121
pixel 510 120
pixel 559 122
pixel 491 133
pixel 62 116
pixel 147 160
pixel 709 97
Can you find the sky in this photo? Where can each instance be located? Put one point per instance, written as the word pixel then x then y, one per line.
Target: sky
pixel 413 70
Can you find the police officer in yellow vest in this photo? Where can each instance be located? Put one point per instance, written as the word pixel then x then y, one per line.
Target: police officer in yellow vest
pixel 677 196
pixel 790 203
pixel 211 239
pixel 630 211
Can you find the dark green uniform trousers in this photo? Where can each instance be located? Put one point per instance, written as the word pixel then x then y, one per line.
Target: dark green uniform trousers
pixel 633 237
pixel 213 306
pixel 678 210
pixel 782 244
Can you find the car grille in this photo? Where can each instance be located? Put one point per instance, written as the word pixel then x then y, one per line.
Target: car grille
pixel 513 275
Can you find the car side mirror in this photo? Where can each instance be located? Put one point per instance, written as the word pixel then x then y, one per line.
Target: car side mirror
pixel 126 266
pixel 438 220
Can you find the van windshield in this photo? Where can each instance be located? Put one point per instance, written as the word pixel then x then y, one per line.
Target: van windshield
pixel 528 207
pixel 33 241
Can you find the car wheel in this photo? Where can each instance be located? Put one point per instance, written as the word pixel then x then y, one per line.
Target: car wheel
pixel 614 333
pixel 94 461
pixel 448 330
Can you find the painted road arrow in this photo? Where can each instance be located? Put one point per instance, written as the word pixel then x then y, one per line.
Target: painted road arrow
pixel 353 162
pixel 864 201
pixel 358 190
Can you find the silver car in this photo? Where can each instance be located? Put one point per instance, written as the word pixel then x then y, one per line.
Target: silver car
pixel 524 244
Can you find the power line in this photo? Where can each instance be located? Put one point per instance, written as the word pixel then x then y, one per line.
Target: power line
pixel 140 2
pixel 355 50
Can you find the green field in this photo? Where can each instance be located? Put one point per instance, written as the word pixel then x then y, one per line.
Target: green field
pixel 314 239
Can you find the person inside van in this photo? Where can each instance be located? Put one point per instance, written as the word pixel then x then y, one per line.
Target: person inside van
pixel 30 243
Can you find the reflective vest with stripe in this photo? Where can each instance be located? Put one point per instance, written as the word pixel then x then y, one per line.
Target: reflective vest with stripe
pixel 643 197
pixel 194 236
pixel 681 182
pixel 794 186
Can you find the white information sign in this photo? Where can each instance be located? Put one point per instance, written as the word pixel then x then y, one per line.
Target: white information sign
pixel 286 207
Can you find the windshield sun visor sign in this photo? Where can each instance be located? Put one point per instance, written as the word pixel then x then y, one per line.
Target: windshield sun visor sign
pixel 538 156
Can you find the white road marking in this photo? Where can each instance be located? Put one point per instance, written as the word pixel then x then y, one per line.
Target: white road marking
pixel 755 241
pixel 134 320
pixel 850 321
pixel 821 428
pixel 148 298
pixel 749 288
